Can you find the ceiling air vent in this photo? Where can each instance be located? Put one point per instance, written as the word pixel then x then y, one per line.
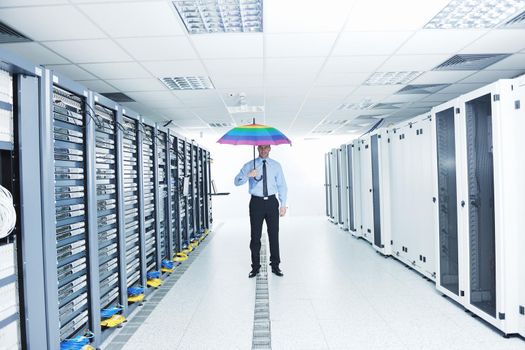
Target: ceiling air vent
pixel 368 117
pixel 220 125
pixel 421 89
pixel 392 78
pixel 322 131
pixel 364 104
pixel 470 62
pixel 388 106
pixel 516 22
pixel 188 83
pixel 118 97
pixel 334 122
pixel 9 35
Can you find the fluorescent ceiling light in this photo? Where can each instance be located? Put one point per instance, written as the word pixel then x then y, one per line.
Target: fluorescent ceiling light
pixel 220 125
pixel 245 109
pixel 221 16
pixel 188 83
pixel 391 78
pixel 475 14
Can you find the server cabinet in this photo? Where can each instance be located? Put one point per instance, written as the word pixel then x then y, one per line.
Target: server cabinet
pixel 490 206
pixel 449 252
pixel 349 179
pixel 106 116
pixel 412 218
pixel 133 202
pixel 519 101
pixel 356 188
pixel 162 194
pixel 334 186
pixel 379 150
pixel 174 190
pixel 343 175
pixel 207 190
pixel 150 196
pixel 367 205
pixel 327 185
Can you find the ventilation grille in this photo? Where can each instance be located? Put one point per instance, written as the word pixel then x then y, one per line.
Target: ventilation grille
pixel 518 21
pixel 421 89
pixel 364 104
pixel 392 78
pixel 188 83
pixel 118 97
pixel 322 131
pixel 220 125
pixel 470 62
pixel 9 35
pixel 388 106
pixel 334 122
pixel 364 117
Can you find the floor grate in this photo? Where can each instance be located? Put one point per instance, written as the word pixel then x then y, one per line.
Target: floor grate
pixel 262 336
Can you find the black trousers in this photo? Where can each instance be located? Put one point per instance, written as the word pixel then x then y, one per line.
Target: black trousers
pixel 260 210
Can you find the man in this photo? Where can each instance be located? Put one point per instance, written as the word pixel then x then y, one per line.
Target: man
pixel 266 180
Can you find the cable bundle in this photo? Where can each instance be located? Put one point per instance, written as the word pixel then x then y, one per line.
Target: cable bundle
pixel 168 264
pixel 132 291
pixel 7 213
pixel 76 343
pixel 153 274
pixel 107 313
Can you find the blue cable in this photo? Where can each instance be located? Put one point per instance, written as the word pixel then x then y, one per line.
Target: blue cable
pixel 167 264
pixel 76 343
pixel 107 313
pixel 132 291
pixel 153 274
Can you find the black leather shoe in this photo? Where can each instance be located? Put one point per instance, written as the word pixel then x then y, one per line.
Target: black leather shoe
pixel 277 271
pixel 253 273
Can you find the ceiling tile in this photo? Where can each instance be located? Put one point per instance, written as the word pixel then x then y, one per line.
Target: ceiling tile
pixel 142 84
pixel 153 96
pixel 299 16
pixel 401 63
pixel 440 97
pixel 438 41
pixel 237 82
pixel 298 45
pixel 123 70
pixel 98 86
pixel 380 15
pixel 498 41
pixel 43 23
pixel 88 51
pixel 291 81
pixel 441 77
pixel 180 68
pixel 35 53
pixel 243 45
pixel 277 66
pixel 516 61
pixel 135 19
pixel 369 43
pixel 17 3
pixel 157 49
pixel 72 71
pixel 248 66
pixel 286 91
pixel 353 64
pixel 379 90
pixel 350 79
pixel 197 98
pixel 460 88
pixel 489 76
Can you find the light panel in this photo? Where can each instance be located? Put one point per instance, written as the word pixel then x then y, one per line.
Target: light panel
pixel 188 83
pixel 392 78
pixel 221 16
pixel 245 109
pixel 475 14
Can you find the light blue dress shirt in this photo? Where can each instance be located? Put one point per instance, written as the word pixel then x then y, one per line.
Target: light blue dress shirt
pixel 276 182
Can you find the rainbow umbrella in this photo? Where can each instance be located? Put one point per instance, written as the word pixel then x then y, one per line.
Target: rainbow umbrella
pixel 254 135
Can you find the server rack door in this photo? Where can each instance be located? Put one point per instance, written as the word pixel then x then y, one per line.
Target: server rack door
pixel 481 218
pixel 350 182
pixel 344 187
pixel 162 193
pixel 327 189
pixel 339 218
pixel 333 182
pixel 376 190
pixel 366 190
pixel 150 220
pixel 174 193
pixel 447 200
pixel 356 174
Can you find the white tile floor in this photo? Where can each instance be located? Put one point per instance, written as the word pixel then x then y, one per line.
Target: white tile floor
pixel 337 293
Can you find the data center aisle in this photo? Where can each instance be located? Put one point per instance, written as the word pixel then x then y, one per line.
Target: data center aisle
pixel 337 293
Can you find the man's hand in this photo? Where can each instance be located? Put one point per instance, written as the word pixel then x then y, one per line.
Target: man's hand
pixel 282 211
pixel 252 173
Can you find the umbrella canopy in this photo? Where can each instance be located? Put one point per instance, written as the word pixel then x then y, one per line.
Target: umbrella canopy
pixel 254 135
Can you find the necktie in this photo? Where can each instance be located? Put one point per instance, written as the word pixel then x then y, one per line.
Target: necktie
pixel 265 182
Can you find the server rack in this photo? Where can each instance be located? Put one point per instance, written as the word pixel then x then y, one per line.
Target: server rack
pixel 356 187
pixel 109 202
pixel 334 186
pixel 349 179
pixel 133 202
pixel 367 205
pixel 489 222
pixel 174 190
pixel 207 190
pixel 343 189
pixel 150 196
pixel 162 194
pixel 327 185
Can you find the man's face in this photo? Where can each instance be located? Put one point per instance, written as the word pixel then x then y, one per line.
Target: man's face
pixel 264 151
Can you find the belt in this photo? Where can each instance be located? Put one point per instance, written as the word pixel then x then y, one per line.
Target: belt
pixel 264 198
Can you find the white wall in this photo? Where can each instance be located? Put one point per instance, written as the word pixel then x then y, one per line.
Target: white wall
pixel 303 166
